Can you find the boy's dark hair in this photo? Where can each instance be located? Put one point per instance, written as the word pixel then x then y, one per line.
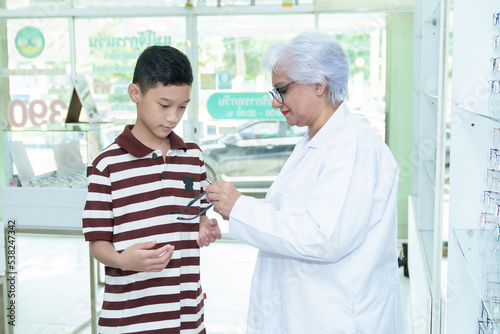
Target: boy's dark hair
pixel 162 64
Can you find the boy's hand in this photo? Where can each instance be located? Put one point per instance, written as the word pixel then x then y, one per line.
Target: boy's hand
pixel 209 232
pixel 140 257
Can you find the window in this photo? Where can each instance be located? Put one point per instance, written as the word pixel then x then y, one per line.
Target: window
pixel 107 50
pixel 36 75
pixel 230 49
pixel 363 37
pixel 233 107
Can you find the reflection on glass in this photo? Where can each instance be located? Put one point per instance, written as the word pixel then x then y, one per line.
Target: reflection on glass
pixel 363 37
pixel 243 148
pixel 47 5
pixel 127 3
pixel 250 152
pixel 38 68
pixel 107 50
pixel 253 155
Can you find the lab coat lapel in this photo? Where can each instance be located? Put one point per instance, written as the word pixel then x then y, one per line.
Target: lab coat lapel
pixel 298 153
pixel 323 135
pixel 306 144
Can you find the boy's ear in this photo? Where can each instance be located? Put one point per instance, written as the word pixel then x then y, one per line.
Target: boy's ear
pixel 134 92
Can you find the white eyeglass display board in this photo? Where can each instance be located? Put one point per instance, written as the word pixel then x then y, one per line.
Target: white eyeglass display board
pixel 472 231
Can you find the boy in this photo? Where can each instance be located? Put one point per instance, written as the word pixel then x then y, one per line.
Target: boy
pixel 136 217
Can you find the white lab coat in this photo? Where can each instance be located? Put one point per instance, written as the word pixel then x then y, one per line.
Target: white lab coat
pixel 327 237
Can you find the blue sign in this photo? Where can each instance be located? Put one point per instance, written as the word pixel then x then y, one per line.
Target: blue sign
pixel 225 78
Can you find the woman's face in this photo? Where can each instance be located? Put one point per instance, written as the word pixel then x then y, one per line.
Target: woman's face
pixel 298 105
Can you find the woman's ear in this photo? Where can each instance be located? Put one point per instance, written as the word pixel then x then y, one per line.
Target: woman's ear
pixel 319 88
pixel 134 92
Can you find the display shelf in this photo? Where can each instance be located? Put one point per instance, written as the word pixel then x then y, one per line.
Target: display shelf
pixel 39 156
pixel 430 171
pixel 430 15
pixel 433 96
pixel 432 11
pixel 469 241
pixel 427 239
pixel 475 113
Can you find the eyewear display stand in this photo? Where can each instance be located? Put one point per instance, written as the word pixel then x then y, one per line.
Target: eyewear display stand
pixel 473 290
pixel 470 243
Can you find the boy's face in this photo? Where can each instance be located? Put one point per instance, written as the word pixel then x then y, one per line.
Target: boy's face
pixel 160 109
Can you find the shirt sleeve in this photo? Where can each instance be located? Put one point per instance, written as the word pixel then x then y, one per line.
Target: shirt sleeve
pixel 349 197
pixel 203 203
pixel 98 213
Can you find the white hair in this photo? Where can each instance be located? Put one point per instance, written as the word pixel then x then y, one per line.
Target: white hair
pixel 309 58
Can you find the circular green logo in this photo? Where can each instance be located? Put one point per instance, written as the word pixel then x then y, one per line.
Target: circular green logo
pixel 30 42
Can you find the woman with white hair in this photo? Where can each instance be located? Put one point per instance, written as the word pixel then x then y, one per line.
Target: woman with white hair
pixel 327 230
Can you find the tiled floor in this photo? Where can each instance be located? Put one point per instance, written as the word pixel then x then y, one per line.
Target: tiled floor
pixel 53 285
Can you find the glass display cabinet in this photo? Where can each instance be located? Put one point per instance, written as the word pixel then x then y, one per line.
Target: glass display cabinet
pixel 45 170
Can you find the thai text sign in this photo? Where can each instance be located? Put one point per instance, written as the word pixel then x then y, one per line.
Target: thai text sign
pixel 241 106
pixel 145 38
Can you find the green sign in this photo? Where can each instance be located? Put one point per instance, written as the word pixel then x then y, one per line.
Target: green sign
pixel 241 106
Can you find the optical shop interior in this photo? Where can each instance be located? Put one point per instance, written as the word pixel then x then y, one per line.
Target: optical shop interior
pixel 375 211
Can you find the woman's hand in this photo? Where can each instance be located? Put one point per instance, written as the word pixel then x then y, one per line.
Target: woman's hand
pixel 222 195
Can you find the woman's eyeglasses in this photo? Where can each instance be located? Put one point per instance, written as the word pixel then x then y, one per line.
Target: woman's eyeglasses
pixel 190 204
pixel 275 93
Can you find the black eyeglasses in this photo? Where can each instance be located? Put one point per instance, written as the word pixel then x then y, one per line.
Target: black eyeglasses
pixel 190 204
pixel 275 93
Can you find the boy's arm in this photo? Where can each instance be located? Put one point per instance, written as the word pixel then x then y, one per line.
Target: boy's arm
pixel 209 231
pixel 138 257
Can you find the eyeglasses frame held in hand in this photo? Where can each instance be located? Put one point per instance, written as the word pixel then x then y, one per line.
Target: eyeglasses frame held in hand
pixel 190 204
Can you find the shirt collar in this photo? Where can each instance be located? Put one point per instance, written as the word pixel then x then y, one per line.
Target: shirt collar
pixel 134 146
pixel 333 123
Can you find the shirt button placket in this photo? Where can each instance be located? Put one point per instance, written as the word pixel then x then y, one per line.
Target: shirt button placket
pixel 164 176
